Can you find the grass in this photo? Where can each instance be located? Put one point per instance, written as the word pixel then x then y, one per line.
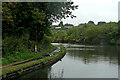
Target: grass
pixel 24 56
pixel 6 70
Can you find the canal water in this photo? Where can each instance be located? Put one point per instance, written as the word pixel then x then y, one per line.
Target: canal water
pixel 82 61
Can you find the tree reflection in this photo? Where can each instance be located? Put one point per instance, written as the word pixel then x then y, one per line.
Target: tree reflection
pixel 38 74
pixel 59 75
pixel 93 55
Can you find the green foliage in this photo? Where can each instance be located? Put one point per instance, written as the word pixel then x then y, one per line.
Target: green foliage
pixel 4 76
pixel 119 28
pixel 18 56
pixel 20 72
pixel 88 33
pixel 37 15
pixel 68 24
pixel 14 44
pixel 90 22
pixel 59 36
pixel 23 27
pixel 61 25
pixel 101 23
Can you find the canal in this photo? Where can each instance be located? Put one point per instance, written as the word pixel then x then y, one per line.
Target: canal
pixel 82 61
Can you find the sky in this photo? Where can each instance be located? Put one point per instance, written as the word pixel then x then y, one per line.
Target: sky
pixel 93 10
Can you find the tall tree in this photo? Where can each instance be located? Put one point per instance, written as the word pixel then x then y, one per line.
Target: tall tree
pixel 19 20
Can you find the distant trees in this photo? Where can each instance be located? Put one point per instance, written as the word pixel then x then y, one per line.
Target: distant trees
pixel 89 34
pixel 68 24
pixel 101 23
pixel 90 22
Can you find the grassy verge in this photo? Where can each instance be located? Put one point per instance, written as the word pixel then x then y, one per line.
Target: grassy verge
pixel 24 56
pixel 6 70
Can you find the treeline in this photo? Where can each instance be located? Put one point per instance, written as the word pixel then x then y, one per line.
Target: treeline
pixel 102 33
pixel 25 24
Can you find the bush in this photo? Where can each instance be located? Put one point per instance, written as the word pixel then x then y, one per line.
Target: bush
pixel 13 44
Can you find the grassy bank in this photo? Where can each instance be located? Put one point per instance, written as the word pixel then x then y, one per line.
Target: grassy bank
pixel 44 60
pixel 18 56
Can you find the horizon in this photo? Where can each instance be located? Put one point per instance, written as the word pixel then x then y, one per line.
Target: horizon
pixel 87 23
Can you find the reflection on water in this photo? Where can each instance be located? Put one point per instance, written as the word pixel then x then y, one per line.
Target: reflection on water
pixel 82 61
pixel 59 74
pixel 79 49
pixel 95 55
pixel 41 73
pixel 44 73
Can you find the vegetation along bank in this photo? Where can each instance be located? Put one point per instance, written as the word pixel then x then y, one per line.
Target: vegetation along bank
pixel 23 68
pixel 88 33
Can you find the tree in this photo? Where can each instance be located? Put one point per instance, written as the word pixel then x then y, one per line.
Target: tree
pixel 68 24
pixel 101 23
pixel 32 19
pixel 37 15
pixel 119 28
pixel 90 22
pixel 61 25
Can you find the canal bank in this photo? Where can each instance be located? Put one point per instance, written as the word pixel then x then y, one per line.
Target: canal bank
pixel 80 61
pixel 45 60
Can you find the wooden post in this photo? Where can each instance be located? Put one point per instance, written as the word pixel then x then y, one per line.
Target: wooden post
pixel 35 48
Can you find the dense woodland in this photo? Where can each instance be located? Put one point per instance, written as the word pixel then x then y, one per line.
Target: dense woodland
pixel 26 24
pixel 88 33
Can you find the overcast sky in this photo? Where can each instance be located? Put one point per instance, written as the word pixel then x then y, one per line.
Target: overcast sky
pixel 94 10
